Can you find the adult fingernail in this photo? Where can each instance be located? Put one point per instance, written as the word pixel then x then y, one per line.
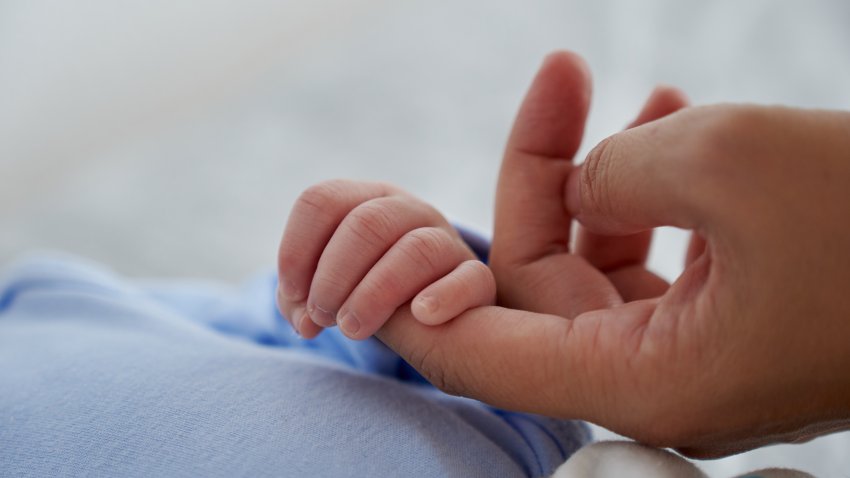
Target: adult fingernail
pixel 349 324
pixel 321 316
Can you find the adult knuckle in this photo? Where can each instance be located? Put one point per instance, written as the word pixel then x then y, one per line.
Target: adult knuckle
pixel 718 150
pixel 724 134
pixel 714 134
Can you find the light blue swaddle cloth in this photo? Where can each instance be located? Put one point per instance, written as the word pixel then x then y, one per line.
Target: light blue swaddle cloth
pixel 108 377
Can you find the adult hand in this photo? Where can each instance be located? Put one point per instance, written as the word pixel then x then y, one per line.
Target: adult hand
pixel 755 332
pixel 747 347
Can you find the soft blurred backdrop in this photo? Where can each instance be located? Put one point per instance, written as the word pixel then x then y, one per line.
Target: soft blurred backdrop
pixel 171 138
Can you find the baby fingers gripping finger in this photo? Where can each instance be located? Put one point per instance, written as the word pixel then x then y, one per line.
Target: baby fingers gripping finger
pixel 365 235
pixel 469 285
pixel 416 260
pixel 313 220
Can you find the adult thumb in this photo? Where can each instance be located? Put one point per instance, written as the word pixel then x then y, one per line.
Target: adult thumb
pixel 640 178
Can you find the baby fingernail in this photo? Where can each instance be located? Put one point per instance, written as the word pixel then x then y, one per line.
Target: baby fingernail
pixel 296 319
pixel 349 324
pixel 321 316
pixel 428 304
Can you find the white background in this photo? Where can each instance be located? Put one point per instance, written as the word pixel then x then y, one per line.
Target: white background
pixel 171 138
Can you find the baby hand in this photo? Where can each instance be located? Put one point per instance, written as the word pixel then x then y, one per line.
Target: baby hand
pixel 354 252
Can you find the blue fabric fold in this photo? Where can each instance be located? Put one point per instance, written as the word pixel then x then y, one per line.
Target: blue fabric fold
pixel 104 376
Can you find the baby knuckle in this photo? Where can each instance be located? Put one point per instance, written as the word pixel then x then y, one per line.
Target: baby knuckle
pixel 286 262
pixel 378 292
pixel 481 271
pixel 372 222
pixel 424 245
pixel 482 276
pixel 321 197
pixel 326 288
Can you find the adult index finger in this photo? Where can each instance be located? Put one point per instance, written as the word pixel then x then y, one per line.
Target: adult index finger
pixel 529 362
pixel 657 174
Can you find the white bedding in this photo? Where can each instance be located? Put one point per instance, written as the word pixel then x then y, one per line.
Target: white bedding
pixel 171 138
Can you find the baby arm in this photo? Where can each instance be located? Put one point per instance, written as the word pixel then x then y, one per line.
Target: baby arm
pixel 354 252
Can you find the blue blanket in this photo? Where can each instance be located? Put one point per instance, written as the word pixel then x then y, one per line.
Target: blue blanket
pixel 104 376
